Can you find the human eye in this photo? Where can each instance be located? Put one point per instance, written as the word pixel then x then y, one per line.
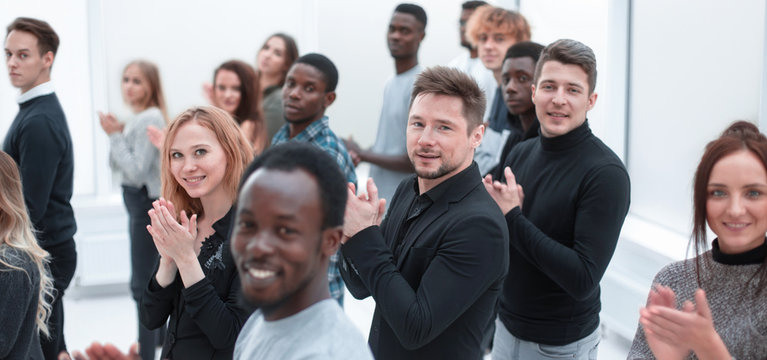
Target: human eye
pixel 523 78
pixel 717 193
pixel 126 80
pixel 753 194
pixel 137 81
pixel 245 224
pixel 575 90
pixel 309 88
pixel 176 155
pixel 23 55
pixel 547 87
pixel 499 38
pixel 482 37
pixel 200 152
pixel 7 54
pixel 290 83
pixel 416 124
pixel 444 128
pixel 286 231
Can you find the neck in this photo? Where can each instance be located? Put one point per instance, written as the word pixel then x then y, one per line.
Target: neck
pixel 215 206
pixel 296 128
pixel 527 118
pixel 402 65
pixel 44 78
pixel 424 185
pixel 314 292
pixel 497 76
pixel 267 80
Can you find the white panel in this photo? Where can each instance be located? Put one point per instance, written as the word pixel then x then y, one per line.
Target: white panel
pixel 697 67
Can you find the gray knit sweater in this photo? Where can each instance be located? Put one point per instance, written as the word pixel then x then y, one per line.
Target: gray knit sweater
pixel 740 317
pixel 133 156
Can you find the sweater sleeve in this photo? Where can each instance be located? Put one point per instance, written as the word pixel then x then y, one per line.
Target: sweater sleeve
pixel 418 316
pixel 134 160
pixel 40 149
pixel 600 211
pixel 219 319
pixel 157 302
pixel 16 290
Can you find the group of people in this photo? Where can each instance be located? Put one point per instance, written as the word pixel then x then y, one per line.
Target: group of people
pixel 489 217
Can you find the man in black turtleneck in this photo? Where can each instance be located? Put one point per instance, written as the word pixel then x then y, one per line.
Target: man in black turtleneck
pixel 564 203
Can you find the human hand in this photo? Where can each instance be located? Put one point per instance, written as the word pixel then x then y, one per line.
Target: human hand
pixel 156 136
pixel 363 210
pixel 110 124
pixel 107 352
pixel 507 196
pixel 661 296
pixel 207 92
pixel 172 239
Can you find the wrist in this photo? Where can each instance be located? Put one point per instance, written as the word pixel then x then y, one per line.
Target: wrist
pixel 711 348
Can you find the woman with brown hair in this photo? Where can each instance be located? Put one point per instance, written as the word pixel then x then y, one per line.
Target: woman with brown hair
pixel 195 286
pixel 274 59
pixel 25 284
pixel 728 317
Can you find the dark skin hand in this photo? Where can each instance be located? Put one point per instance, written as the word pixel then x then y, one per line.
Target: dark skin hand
pixel 399 163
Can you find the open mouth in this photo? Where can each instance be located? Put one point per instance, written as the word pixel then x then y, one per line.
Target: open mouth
pixel 194 179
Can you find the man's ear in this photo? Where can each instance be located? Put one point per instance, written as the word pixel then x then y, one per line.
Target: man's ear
pixel 592 101
pixel 475 138
pixel 331 240
pixel 533 93
pixel 329 98
pixel 48 59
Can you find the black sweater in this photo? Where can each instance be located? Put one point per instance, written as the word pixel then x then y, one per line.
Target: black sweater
pixel 576 198
pixel 38 140
pixel 19 291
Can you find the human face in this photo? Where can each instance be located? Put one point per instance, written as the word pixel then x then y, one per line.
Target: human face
pixel 226 91
pixel 517 84
pixel 303 96
pixel 404 36
pixel 465 15
pixel 736 209
pixel 135 87
pixel 492 46
pixel 278 243
pixel 438 142
pixel 271 57
pixel 27 68
pixel 562 98
pixel 198 161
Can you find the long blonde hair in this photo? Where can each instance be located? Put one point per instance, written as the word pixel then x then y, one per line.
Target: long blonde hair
pixel 152 75
pixel 16 232
pixel 239 153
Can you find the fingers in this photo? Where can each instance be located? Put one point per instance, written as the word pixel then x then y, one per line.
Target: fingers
pixel 488 179
pixel 381 210
pixel 352 188
pixel 78 355
pixel 372 191
pixel 702 304
pixel 510 179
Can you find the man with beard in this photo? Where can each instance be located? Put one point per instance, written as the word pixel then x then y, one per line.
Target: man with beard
pixel 436 263
pixel 289 223
pixel 389 163
pixel 309 89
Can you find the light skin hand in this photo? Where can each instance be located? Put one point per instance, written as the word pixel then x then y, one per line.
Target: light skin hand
pixel 156 136
pixel 110 124
pixel 107 352
pixel 507 196
pixel 661 296
pixel 178 241
pixel 691 328
pixel 362 211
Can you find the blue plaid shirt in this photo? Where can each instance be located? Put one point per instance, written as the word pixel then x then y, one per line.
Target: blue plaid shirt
pixel 318 133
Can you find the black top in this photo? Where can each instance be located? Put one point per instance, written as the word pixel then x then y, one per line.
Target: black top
pixel 19 291
pixel 437 296
pixel 38 140
pixel 205 318
pixel 516 136
pixel 754 256
pixel 576 198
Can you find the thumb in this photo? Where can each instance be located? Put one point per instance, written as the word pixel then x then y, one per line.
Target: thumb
pixel 193 225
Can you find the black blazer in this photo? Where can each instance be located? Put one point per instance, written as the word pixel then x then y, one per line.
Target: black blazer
pixel 436 300
pixel 206 317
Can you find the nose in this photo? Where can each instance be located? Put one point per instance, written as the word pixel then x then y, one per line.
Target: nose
pixel 559 97
pixel 260 245
pixel 510 88
pixel 427 138
pixel 189 165
pixel 736 207
pixel 293 92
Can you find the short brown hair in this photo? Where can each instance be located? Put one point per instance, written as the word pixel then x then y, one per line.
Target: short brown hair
pixel 571 52
pixel 239 153
pixel 47 40
pixel 492 17
pixel 443 80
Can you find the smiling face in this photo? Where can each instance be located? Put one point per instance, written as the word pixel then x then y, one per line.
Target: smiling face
pixel 561 97
pixel 27 68
pixel 278 243
pixel 135 87
pixel 198 162
pixel 404 35
pixel 227 91
pixel 516 83
pixel 736 208
pixel 439 144
pixel 492 45
pixel 271 57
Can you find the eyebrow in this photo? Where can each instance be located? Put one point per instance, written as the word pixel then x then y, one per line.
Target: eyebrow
pixel 745 186
pixel 193 147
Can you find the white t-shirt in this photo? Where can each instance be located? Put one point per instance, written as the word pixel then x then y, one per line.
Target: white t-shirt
pixel 321 331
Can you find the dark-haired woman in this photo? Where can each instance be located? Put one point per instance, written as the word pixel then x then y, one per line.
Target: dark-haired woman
pixel 714 306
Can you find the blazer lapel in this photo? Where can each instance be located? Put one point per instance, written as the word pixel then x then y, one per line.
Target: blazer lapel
pixel 432 213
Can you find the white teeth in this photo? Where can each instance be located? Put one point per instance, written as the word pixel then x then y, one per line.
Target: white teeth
pixel 260 274
pixel 194 179
pixel 738 226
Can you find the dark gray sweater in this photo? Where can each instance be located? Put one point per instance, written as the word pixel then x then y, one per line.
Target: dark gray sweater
pixel 19 291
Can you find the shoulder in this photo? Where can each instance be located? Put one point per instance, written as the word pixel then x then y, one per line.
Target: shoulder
pixel 17 266
pixel 150 116
pixel 676 274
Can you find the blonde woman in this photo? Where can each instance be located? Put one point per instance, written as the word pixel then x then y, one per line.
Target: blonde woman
pixel 25 284
pixel 138 162
pixel 195 286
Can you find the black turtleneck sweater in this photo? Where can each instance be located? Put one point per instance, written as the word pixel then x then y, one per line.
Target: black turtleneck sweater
pixel 576 198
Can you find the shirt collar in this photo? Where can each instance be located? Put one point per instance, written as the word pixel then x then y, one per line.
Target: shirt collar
pixel 45 88
pixel 442 188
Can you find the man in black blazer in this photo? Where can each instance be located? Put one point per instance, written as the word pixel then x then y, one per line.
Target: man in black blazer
pixel 435 266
